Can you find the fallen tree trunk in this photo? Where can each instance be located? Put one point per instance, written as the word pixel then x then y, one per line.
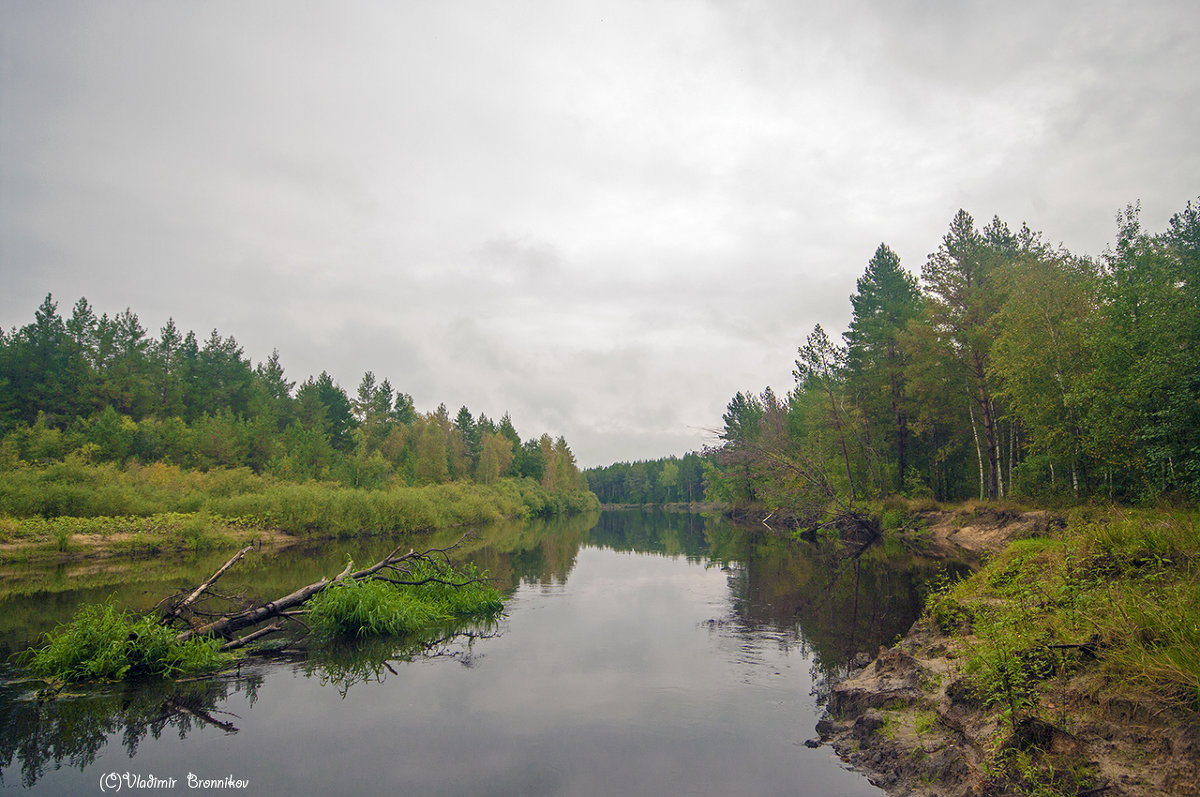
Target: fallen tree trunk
pixel 391 568
pixel 387 599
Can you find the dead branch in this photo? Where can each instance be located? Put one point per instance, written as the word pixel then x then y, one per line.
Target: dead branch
pixel 229 624
pixel 233 623
pixel 175 707
pixel 174 612
pixel 248 638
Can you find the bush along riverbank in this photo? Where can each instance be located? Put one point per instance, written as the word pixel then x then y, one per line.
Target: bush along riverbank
pixel 71 509
pixel 1069 664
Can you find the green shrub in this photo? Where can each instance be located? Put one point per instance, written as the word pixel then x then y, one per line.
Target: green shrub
pixel 105 643
pixel 892 519
pixel 1118 591
pixel 382 608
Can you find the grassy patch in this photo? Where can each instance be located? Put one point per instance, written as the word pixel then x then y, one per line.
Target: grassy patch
pixel 382 608
pixel 74 506
pixel 170 531
pixel 105 643
pixel 1115 595
pixel 924 721
pixel 81 491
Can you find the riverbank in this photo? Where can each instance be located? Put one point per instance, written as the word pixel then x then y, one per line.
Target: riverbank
pixel 69 511
pixel 1067 665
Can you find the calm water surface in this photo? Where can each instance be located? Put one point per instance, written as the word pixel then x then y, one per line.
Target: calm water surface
pixel 639 654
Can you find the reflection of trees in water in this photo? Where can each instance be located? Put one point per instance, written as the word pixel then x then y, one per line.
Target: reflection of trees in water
pixel 38 736
pixel 821 596
pixel 71 730
pixel 350 662
pixel 830 599
pixel 534 551
pixel 816 597
pixel 653 531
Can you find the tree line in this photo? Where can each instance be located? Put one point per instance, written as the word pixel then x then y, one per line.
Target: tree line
pixel 102 389
pixel 1010 368
pixel 660 481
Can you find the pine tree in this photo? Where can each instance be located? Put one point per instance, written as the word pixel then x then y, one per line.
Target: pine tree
pixel 887 300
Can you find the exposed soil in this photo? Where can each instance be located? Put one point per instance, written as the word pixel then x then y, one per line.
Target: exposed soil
pixel 983 530
pixel 910 724
pixel 129 545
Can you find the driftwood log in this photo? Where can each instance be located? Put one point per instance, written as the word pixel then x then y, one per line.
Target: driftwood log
pixel 394 568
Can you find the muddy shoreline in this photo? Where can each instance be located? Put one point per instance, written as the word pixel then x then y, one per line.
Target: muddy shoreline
pixel 910 722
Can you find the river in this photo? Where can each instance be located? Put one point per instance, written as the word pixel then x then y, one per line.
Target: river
pixel 639 653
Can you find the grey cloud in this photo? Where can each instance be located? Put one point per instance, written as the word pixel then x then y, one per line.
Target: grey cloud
pixel 508 259
pixel 606 229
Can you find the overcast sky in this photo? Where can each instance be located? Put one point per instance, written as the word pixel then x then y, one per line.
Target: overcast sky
pixel 605 218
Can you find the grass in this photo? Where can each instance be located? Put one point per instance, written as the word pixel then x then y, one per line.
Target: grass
pixel 382 608
pixel 167 508
pixel 924 721
pixel 31 537
pixel 105 643
pixel 1118 590
pixel 1113 598
pixel 76 489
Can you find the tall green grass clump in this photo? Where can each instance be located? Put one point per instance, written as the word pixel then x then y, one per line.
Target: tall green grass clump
pixel 105 643
pixel 382 608
pixel 1116 594
pixel 1146 606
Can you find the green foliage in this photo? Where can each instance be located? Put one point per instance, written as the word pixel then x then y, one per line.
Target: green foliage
pixel 892 519
pixel 95 390
pixel 659 481
pixel 382 608
pixel 1119 592
pixel 887 300
pixel 323 509
pixel 176 508
pixel 105 643
pixel 950 614
pixel 1008 663
pixel 1013 369
pixel 1031 770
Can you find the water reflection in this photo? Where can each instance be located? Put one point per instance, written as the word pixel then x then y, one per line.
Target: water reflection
pixel 838 603
pixel 646 531
pixel 762 602
pixel 71 731
pixel 351 662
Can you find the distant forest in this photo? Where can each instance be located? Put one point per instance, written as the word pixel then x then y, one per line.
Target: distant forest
pixel 1011 368
pixel 661 481
pixel 101 389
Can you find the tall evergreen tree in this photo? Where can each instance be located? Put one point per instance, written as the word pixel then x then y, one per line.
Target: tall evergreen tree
pixel 323 406
pixel 887 300
pixel 127 380
pixel 271 396
pixel 166 358
pixel 43 366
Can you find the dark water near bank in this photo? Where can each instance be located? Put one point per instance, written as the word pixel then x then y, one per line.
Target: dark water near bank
pixel 639 654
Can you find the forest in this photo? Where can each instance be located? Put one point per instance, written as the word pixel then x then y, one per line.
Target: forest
pixel 1011 369
pixel 100 389
pixel 660 481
